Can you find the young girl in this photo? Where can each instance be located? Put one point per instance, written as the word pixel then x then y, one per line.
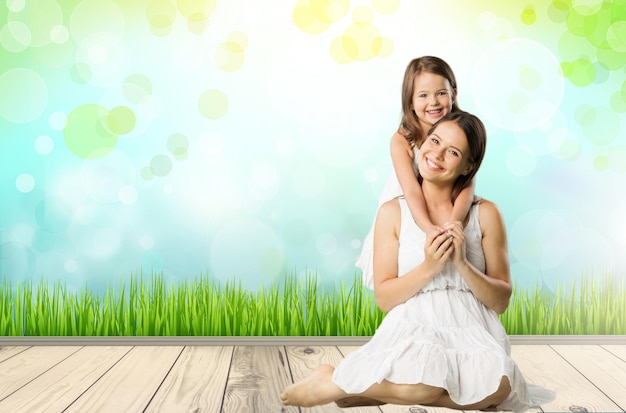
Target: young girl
pixel 428 94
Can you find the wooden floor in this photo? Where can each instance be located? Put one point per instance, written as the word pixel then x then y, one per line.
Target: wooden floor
pixel 236 379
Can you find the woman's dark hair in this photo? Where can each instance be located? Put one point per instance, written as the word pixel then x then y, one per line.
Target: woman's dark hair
pixel 409 125
pixel 476 134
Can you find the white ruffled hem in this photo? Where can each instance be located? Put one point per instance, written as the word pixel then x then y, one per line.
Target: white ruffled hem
pixel 435 340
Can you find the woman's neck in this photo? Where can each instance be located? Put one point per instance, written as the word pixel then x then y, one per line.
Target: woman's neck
pixel 438 201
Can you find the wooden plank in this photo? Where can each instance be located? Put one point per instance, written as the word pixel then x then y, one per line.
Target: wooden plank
pixel 395 408
pixel 303 359
pixel 258 374
pixel 58 387
pixel 196 383
pixel 543 366
pixel 605 370
pixel 6 352
pixel 130 384
pixel 618 350
pixel 27 365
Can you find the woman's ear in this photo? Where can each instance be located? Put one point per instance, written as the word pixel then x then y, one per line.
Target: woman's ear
pixel 469 168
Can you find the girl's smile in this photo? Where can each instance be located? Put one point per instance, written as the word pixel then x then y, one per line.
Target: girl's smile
pixel 432 98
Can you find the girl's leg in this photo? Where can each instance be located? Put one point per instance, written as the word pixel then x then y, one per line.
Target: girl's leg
pixel 318 388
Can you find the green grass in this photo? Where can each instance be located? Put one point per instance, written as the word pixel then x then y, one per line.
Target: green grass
pixel 201 307
pixel 590 306
pixel 149 306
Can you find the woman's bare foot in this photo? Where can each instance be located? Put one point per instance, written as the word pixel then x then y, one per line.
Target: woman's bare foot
pixel 355 401
pixel 315 389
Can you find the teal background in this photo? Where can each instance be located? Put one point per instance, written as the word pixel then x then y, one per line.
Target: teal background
pixel 249 140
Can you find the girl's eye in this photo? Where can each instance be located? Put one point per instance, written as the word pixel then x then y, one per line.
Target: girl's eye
pixel 434 140
pixel 454 153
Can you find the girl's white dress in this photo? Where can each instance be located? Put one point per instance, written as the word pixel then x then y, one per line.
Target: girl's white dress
pixel 392 190
pixel 443 336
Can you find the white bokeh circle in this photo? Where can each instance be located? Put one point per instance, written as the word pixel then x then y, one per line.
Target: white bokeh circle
pixel 101 241
pixel 25 183
pixel 540 239
pixel 326 244
pixel 28 95
pixel 557 246
pixel 520 161
pixel 516 84
pixel 44 145
pixel 248 250
pixel 107 56
pixel 128 195
pixel 308 181
pixel 545 138
pixel 105 179
pixel 264 181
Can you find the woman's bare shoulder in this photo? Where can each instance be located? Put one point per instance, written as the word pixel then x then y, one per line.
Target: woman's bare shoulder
pixel 389 213
pixel 391 207
pixel 489 215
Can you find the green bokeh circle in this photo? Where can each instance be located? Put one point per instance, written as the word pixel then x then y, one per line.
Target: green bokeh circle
pixel 121 120
pixel 580 72
pixel 213 104
pixel 86 132
pixel 528 16
pixel 601 163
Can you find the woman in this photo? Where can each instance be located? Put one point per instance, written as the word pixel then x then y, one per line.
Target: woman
pixel 441 344
pixel 429 92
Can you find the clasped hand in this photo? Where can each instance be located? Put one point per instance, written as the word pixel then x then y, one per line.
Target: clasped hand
pixel 446 242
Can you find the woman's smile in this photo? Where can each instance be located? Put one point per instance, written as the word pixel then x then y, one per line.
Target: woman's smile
pixel 432 165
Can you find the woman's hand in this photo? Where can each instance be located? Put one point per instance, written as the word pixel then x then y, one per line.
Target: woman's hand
pixel 454 230
pixel 437 249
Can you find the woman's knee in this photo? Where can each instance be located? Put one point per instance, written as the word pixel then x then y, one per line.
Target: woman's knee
pixel 502 393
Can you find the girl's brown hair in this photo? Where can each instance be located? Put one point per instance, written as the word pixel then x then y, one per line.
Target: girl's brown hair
pixel 409 125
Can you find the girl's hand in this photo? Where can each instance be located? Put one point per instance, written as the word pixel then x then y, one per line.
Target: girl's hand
pixel 454 230
pixel 437 249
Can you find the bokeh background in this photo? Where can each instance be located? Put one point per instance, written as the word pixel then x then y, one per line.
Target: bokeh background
pixel 249 139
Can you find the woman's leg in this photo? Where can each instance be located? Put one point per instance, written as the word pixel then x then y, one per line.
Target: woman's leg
pixel 318 388
pixel 357 401
pixel 490 401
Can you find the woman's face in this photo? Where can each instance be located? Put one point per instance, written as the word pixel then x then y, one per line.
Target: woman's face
pixel 444 155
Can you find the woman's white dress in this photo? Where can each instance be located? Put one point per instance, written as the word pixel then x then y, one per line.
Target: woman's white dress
pixel 443 336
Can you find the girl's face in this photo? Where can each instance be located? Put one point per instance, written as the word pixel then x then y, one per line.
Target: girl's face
pixel 444 154
pixel 432 98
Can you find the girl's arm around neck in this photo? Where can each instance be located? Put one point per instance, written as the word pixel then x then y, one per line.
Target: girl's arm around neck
pixel 402 159
pixel 463 202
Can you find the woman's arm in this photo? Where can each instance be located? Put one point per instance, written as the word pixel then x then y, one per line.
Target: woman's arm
pixel 391 289
pixel 492 288
pixel 402 160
